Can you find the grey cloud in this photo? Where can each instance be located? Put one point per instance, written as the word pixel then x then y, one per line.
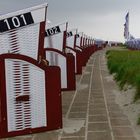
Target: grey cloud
pixel 7 6
pixel 86 6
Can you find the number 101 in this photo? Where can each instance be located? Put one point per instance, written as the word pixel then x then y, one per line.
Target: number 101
pixel 15 22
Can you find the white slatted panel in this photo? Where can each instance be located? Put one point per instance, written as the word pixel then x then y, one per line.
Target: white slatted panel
pixel 4 43
pixel 23 78
pixel 70 41
pixel 55 59
pixel 23 41
pixel 38 97
pixel 78 40
pixel 55 41
pixel 28 39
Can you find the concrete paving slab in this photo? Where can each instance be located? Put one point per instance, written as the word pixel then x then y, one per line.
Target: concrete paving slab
pixel 99 136
pixel 98 118
pixel 103 126
pixel 101 111
pixel 120 122
pixel 125 138
pixel 73 138
pixel 97 106
pixel 79 108
pixel 123 131
pixel 80 133
pixel 117 114
pixel 80 115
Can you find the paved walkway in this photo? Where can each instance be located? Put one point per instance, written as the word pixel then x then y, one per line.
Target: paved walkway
pixel 90 112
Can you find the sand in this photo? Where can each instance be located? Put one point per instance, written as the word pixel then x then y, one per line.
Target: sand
pixel 125 99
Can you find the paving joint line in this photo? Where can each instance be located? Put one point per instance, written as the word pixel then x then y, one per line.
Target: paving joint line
pixel 122 126
pixel 99 122
pixel 98 131
pixel 124 137
pixel 70 106
pixel 73 136
pixel 89 96
pixel 102 85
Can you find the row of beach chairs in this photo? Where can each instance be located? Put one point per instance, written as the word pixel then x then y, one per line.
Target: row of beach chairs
pixel 37 62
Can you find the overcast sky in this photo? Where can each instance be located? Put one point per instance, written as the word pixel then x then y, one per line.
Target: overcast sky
pixel 101 19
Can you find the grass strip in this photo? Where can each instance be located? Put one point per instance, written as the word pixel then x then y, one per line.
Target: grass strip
pixel 126 67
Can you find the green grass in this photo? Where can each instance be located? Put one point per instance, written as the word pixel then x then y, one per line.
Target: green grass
pixel 126 66
pixel 138 122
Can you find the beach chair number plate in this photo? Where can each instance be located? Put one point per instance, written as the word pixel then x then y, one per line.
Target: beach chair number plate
pixel 16 22
pixel 52 31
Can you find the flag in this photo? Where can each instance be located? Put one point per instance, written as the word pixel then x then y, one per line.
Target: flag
pixel 126 27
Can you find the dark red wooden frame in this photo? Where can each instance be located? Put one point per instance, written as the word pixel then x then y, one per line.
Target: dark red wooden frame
pixel 79 60
pixel 71 79
pixel 53 97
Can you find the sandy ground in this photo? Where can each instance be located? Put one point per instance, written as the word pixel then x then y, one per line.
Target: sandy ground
pixel 131 109
pixel 125 99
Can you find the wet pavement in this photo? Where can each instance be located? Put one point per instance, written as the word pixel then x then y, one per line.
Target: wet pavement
pixel 90 112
